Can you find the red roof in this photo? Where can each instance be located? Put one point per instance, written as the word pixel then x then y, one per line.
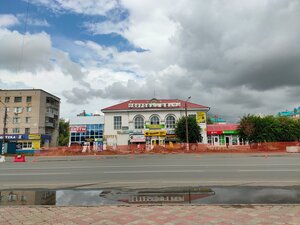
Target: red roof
pixel 167 103
pixel 221 127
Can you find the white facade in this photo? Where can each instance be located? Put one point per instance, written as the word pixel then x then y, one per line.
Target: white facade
pixel 123 134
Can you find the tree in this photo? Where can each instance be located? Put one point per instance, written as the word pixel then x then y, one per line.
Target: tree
pixel 209 120
pixel 256 129
pixel 194 130
pixel 64 134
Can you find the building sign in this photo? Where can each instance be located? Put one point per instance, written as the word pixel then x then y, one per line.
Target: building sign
pixel 150 133
pixel 201 117
pixel 34 136
pixel 170 131
pixel 12 136
pixel 230 132
pixel 156 198
pixel 214 132
pixel 137 138
pixel 154 105
pixel 98 139
pixel 78 129
pixel 155 126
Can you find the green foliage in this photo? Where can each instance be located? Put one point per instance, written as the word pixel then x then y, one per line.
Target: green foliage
pixel 256 129
pixel 64 134
pixel 209 120
pixel 193 129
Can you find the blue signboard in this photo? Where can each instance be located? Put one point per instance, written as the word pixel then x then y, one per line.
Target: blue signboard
pixel 13 136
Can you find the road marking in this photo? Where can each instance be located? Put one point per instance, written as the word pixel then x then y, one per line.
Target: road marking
pixel 32 174
pixel 155 171
pixel 145 166
pixel 270 170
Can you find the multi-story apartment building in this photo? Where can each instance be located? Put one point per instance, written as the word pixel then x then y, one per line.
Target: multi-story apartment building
pixel 32 118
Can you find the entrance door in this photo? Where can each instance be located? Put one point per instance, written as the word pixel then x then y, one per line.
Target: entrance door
pixel 227 141
pixel 216 140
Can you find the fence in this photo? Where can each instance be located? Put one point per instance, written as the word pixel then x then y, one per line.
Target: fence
pixel 171 149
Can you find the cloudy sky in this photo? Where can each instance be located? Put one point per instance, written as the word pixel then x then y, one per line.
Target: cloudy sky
pixel 237 57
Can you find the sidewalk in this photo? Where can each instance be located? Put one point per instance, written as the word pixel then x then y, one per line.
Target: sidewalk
pixel 138 215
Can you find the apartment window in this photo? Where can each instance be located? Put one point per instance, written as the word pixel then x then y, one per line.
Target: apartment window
pixel 6 130
pixel 16 120
pixel 16 130
pixel 18 99
pixel 27 119
pixel 7 99
pixel 28 99
pixel 117 122
pixel 18 109
pixel 27 130
pixel 28 109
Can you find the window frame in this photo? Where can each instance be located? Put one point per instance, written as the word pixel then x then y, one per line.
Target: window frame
pixel 117 123
pixel 168 122
pixel 28 97
pixel 152 121
pixel 139 124
pixel 18 97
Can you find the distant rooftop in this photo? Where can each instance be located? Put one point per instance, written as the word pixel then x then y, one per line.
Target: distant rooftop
pixel 33 89
pixel 155 104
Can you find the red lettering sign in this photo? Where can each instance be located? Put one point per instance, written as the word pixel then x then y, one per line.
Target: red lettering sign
pixel 78 129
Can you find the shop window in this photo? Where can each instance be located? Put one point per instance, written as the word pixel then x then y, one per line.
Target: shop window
pixel 139 122
pixel 154 120
pixel 170 122
pixel 117 122
pixel 18 99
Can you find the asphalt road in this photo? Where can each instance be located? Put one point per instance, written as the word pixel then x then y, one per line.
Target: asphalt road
pixel 151 171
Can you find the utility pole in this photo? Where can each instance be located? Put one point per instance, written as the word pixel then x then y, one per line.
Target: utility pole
pixel 4 128
pixel 186 125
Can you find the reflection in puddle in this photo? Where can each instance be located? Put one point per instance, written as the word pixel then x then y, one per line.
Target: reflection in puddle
pixel 175 195
pixel 19 197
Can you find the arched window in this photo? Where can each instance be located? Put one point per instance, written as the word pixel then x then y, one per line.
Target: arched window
pixel 139 122
pixel 170 122
pixel 154 120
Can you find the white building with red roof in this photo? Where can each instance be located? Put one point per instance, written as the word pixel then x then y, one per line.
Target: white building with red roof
pixel 149 122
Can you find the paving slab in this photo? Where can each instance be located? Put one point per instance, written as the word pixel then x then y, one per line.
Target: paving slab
pixel 152 215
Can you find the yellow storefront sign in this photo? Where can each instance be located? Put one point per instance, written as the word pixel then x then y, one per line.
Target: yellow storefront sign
pixel 201 117
pixel 34 136
pixel 159 133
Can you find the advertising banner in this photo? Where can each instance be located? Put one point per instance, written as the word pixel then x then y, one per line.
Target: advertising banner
pixel 137 138
pixel 78 129
pixel 155 126
pixel 159 133
pixel 34 136
pixel 201 117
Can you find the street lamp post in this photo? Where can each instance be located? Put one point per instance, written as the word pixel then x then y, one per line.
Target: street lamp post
pixel 4 128
pixel 186 125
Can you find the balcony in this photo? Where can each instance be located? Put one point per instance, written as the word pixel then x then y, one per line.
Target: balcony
pixel 49 124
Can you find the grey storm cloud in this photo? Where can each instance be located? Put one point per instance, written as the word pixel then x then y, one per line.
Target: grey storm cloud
pixel 237 57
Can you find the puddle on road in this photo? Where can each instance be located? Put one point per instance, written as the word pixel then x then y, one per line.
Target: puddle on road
pixel 175 195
